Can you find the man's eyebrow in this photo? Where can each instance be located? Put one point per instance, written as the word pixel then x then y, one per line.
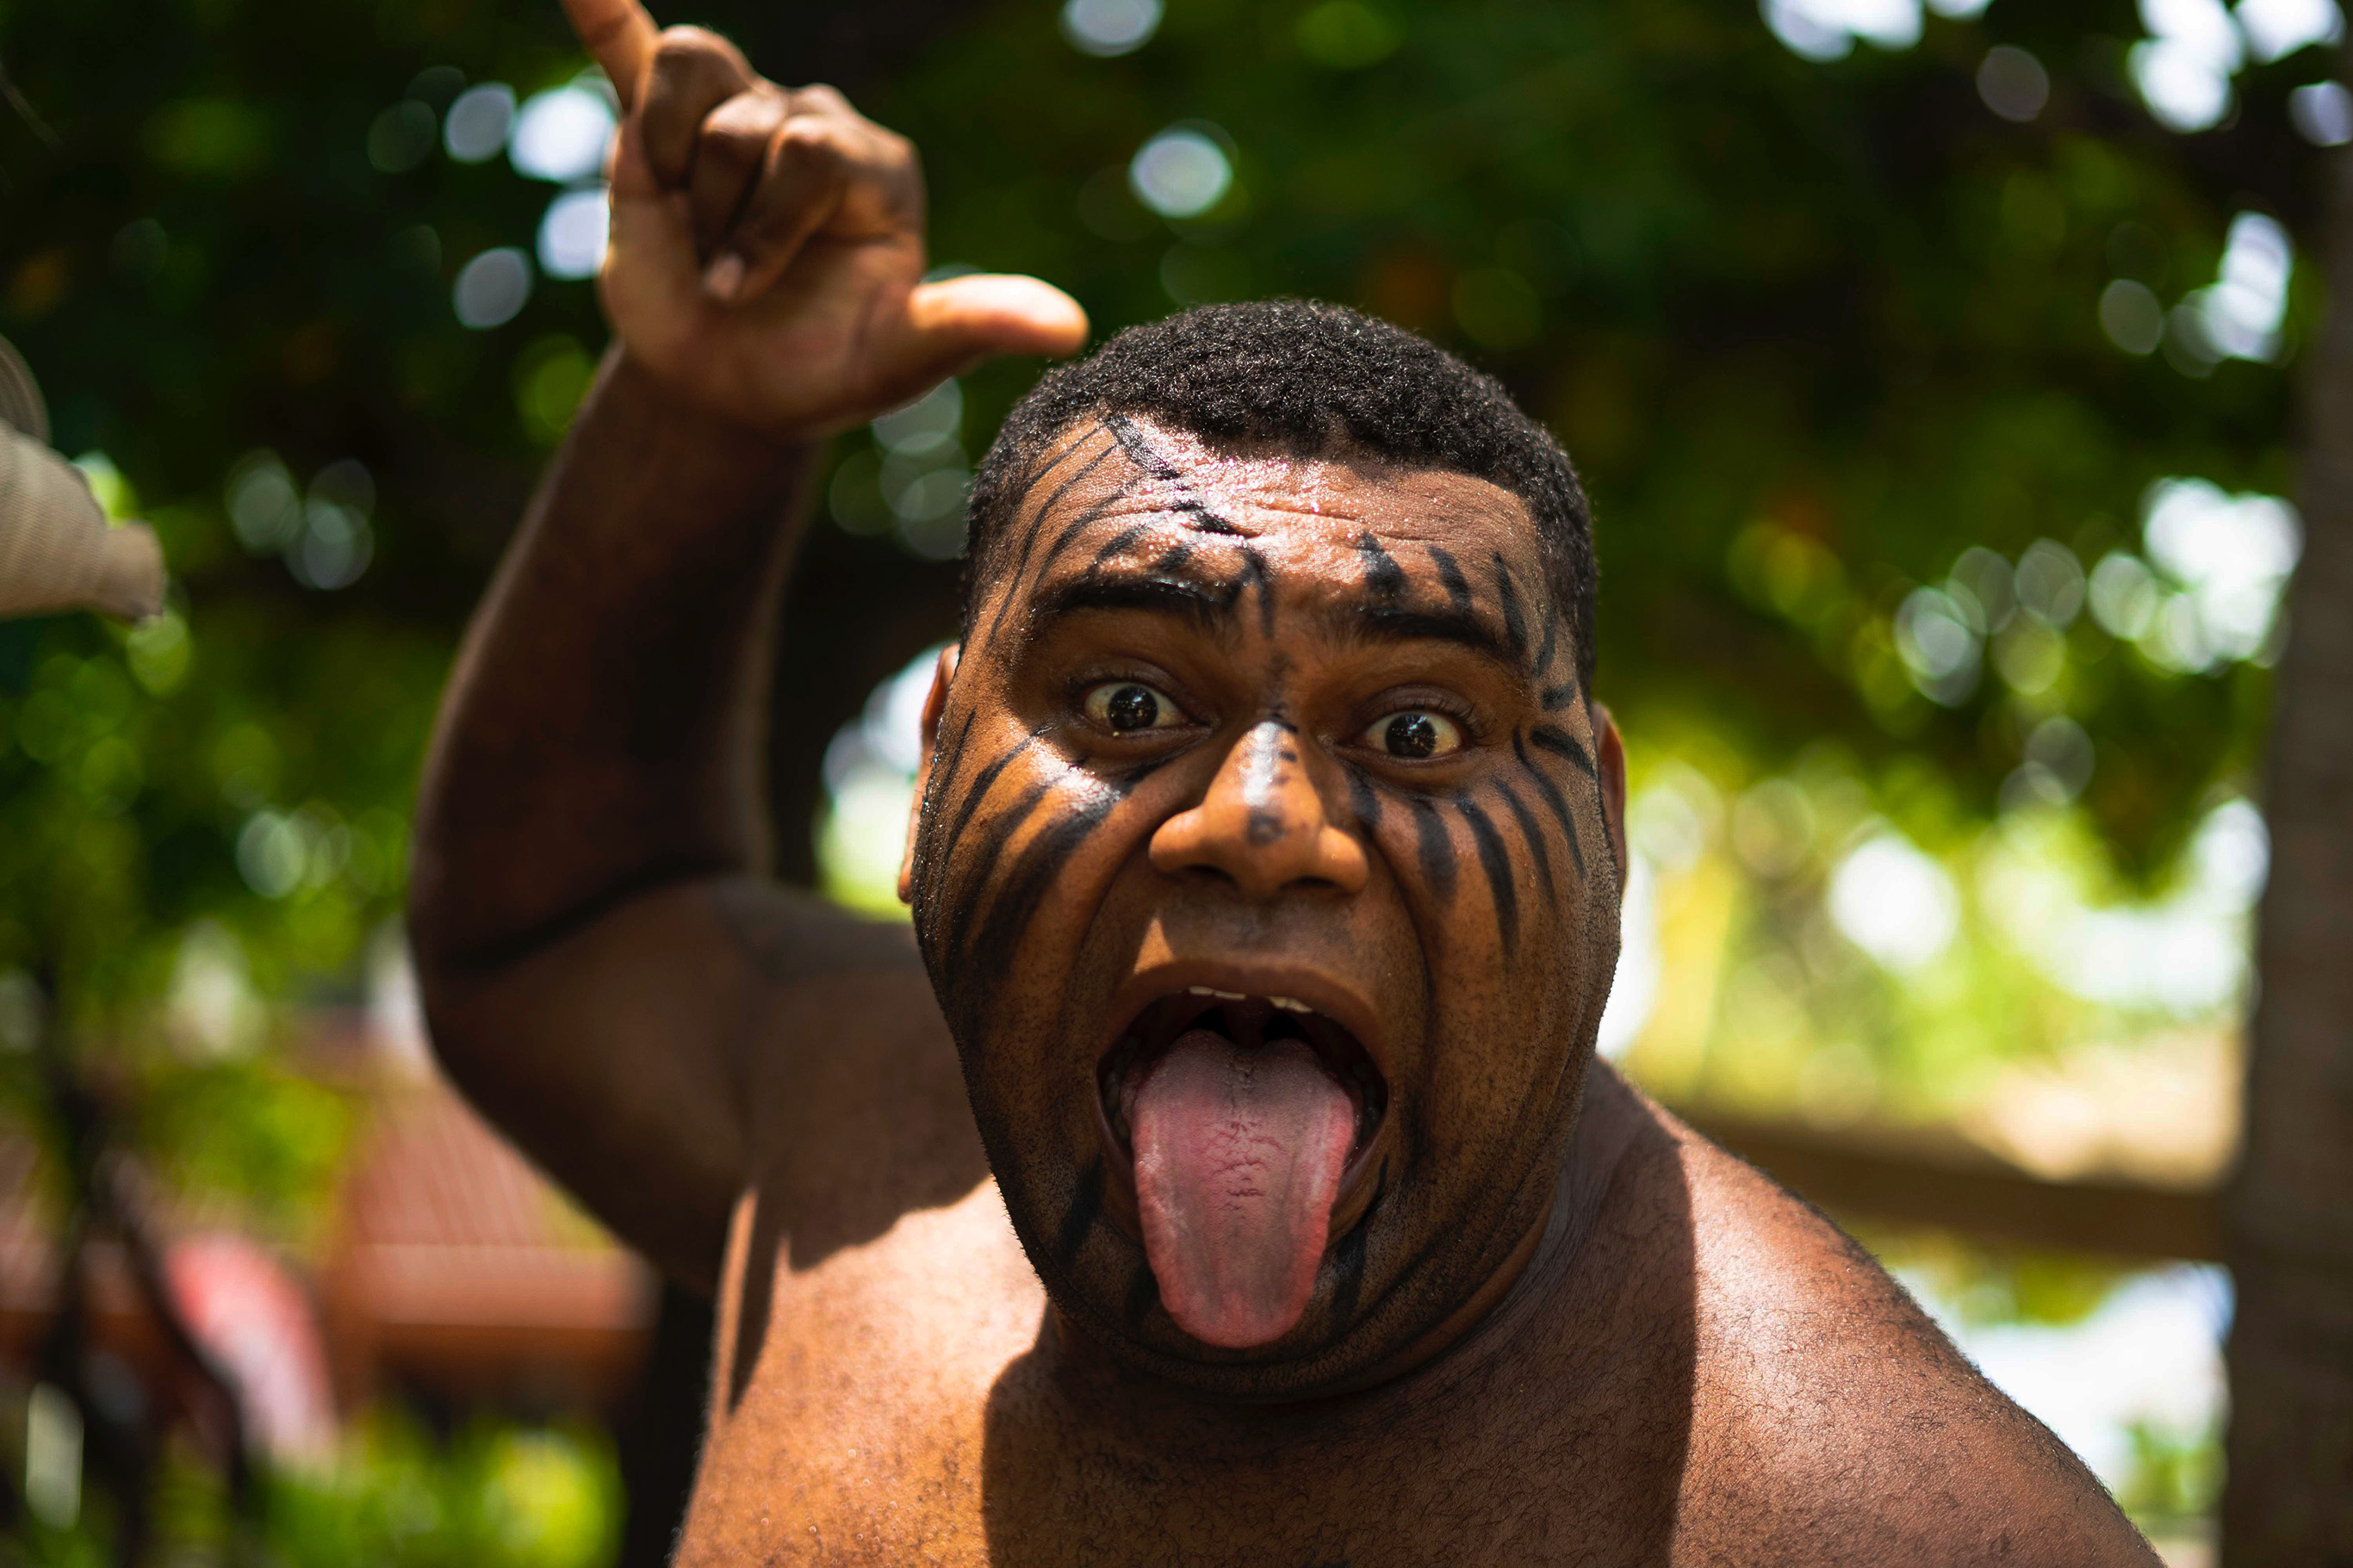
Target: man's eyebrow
pixel 1209 605
pixel 1400 623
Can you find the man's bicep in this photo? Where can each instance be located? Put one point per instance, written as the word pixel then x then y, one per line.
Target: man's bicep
pixel 611 1055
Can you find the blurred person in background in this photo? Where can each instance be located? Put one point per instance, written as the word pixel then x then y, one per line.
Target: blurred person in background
pixel 1222 1173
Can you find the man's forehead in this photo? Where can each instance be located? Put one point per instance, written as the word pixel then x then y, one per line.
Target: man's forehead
pixel 1121 474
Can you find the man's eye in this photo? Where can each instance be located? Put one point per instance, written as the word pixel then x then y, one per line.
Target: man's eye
pixel 1415 733
pixel 1125 707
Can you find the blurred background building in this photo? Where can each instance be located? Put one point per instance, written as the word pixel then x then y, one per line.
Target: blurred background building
pixel 1933 368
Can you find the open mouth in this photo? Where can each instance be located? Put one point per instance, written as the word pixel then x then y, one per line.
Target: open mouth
pixel 1250 1023
pixel 1245 1125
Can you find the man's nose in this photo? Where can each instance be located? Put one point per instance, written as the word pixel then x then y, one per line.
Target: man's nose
pixel 1262 826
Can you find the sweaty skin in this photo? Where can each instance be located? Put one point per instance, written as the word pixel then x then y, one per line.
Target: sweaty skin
pixel 1219 1170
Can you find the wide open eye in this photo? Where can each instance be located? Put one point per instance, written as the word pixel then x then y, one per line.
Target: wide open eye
pixel 1414 733
pixel 1129 707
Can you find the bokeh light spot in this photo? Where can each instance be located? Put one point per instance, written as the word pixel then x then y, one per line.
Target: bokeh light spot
pixel 1181 173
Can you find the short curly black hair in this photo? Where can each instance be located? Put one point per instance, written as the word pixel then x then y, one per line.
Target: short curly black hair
pixel 1315 377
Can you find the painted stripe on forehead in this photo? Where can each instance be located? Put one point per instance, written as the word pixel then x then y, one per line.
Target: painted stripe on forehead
pixel 1029 535
pixel 1076 526
pixel 1500 885
pixel 1255 574
pixel 1152 461
pixel 1551 635
pixel 1557 801
pixel 1450 572
pixel 1117 542
pixel 1383 578
pixel 1515 625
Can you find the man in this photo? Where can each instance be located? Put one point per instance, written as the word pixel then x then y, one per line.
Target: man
pixel 1221 1173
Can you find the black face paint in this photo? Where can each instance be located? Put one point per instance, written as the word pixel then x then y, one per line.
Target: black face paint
pixel 935 932
pixel 947 763
pixel 1551 635
pixel 1561 743
pixel 1063 541
pixel 1261 775
pixel 1498 866
pixel 1145 456
pixel 932 860
pixel 1364 803
pixel 1556 698
pixel 1557 801
pixel 1119 541
pixel 1143 1295
pixel 1435 849
pixel 1533 831
pixel 1458 586
pixel 1515 625
pixel 1348 1275
pixel 1255 573
pixel 1029 536
pixel 1383 578
pixel 998 933
pixel 1086 1206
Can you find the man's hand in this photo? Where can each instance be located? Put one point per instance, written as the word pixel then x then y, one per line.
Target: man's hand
pixel 766 259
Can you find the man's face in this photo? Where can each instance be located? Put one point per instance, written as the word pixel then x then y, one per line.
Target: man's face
pixel 1263 871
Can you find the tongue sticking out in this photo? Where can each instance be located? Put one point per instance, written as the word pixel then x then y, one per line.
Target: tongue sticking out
pixel 1238 1156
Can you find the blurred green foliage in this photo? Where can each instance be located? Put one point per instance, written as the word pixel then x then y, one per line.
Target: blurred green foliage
pixel 1811 329
pixel 491 1495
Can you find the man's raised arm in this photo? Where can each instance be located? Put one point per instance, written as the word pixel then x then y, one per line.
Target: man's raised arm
pixel 595 778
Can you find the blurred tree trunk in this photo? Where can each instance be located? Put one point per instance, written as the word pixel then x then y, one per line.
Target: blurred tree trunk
pixel 2289 1497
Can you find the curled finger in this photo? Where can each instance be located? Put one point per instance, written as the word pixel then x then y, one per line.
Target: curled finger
pixel 806 173
pixel 693 72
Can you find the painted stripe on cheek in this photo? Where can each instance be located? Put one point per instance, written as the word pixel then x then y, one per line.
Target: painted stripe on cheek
pixel 1086 1206
pixel 1500 885
pixel 1557 801
pixel 1435 849
pixel 1561 743
pixel 1533 832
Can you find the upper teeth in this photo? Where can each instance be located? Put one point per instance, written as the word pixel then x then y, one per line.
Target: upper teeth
pixel 1288 1004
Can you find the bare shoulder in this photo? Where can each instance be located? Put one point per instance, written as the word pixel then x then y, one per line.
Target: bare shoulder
pixel 854 1100
pixel 1833 1421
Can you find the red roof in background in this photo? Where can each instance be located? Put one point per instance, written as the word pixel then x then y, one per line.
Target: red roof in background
pixel 453 1265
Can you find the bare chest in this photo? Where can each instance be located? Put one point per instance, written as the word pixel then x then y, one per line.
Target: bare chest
pixel 889 1404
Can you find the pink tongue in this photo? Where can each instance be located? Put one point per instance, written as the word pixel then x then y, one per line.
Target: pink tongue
pixel 1238 1157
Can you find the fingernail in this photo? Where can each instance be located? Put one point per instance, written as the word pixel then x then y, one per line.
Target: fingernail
pixel 724 277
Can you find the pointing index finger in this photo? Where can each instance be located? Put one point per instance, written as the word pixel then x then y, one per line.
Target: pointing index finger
pixel 621 37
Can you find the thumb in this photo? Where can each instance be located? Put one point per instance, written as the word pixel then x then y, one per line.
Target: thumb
pixel 961 320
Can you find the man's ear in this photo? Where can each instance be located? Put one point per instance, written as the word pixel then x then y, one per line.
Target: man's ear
pixel 935 705
pixel 1609 766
